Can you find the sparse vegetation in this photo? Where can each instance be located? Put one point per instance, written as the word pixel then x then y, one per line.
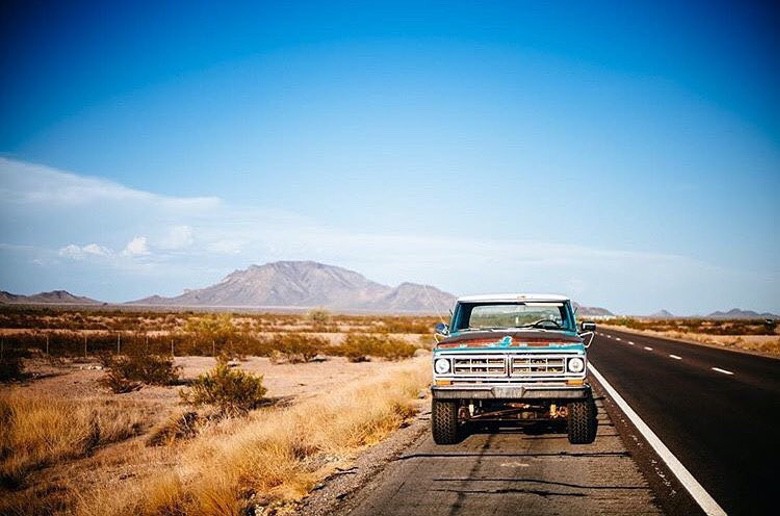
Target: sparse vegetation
pixel 271 457
pixel 359 347
pixel 89 462
pixel 11 365
pixel 230 390
pixel 296 348
pixel 128 373
pixel 37 431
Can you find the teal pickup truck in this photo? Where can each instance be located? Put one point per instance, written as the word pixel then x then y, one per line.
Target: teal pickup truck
pixel 512 359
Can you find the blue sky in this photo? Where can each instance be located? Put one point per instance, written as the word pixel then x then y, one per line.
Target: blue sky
pixel 626 154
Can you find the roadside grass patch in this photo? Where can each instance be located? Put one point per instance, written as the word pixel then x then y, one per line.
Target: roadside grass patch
pixel 270 458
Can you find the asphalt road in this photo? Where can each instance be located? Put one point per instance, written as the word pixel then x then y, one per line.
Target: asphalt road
pixel 715 409
pixel 514 471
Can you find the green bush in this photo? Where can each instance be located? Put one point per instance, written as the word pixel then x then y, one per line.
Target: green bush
pixel 128 373
pixel 230 390
pixel 297 348
pixel 359 347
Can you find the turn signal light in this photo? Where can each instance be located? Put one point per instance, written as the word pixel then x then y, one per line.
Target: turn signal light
pixel 443 382
pixel 575 382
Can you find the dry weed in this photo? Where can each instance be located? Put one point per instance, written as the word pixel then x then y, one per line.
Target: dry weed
pixel 37 431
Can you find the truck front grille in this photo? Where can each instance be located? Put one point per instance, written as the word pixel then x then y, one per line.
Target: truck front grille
pixel 479 366
pixel 500 367
pixel 532 366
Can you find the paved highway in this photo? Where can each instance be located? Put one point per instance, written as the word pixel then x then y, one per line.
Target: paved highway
pixel 510 472
pixel 716 410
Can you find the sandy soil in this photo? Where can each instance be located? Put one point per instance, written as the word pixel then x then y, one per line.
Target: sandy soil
pixel 285 382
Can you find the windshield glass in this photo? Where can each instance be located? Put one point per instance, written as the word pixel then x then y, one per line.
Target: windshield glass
pixel 549 316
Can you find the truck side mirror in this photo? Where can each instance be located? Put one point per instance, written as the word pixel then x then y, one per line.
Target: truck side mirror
pixel 441 329
pixel 588 326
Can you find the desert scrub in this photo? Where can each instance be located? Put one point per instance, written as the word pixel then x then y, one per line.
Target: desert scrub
pixel 272 456
pixel 11 365
pixel 358 347
pixel 128 373
pixel 36 431
pixel 298 347
pixel 230 390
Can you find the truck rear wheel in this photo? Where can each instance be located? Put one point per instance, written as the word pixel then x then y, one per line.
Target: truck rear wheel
pixel 582 422
pixel 444 421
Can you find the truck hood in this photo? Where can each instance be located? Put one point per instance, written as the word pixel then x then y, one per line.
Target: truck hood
pixel 511 339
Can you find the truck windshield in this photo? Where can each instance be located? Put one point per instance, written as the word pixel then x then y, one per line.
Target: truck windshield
pixel 549 316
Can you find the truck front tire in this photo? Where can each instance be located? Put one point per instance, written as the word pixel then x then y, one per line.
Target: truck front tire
pixel 444 421
pixel 582 423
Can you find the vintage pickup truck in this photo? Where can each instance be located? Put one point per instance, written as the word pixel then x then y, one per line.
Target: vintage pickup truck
pixel 512 359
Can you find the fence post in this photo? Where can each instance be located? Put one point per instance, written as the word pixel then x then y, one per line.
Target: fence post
pixel 47 344
pixel 173 355
pixel 2 347
pixel 118 343
pixel 85 346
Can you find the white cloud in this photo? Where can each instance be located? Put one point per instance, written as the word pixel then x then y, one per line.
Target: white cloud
pixel 136 247
pixel 76 252
pixel 177 238
pixel 27 183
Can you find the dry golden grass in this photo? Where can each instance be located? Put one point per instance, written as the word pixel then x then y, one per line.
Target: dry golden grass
pixel 37 431
pixel 272 456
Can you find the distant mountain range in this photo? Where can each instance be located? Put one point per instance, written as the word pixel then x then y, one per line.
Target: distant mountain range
pixel 591 311
pixel 308 284
pixel 55 297
pixel 736 313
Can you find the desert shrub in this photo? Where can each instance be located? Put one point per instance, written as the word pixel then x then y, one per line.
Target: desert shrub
pixel 11 367
pixel 298 347
pixel 359 347
pixel 179 427
pixel 128 373
pixel 319 317
pixel 230 390
pixel 215 330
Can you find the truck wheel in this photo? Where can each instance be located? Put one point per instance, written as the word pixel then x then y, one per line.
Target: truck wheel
pixel 444 421
pixel 582 422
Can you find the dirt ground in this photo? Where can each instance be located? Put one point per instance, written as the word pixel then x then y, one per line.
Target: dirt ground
pixel 288 382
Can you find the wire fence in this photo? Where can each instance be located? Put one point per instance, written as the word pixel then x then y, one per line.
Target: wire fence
pixel 74 344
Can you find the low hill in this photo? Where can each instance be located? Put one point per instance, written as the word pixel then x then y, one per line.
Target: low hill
pixel 55 297
pixel 303 284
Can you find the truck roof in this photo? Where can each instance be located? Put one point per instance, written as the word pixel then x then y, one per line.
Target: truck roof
pixel 513 298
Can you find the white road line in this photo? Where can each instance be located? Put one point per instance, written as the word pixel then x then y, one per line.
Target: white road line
pixel 718 369
pixel 617 338
pixel 648 348
pixel 702 497
pixel 675 357
pixel 631 342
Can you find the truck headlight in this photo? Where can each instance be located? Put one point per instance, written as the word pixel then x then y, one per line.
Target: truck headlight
pixel 576 365
pixel 441 366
